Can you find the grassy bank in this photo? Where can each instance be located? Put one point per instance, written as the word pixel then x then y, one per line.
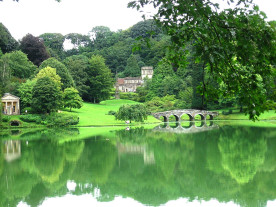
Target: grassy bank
pixel 97 114
pixel 236 115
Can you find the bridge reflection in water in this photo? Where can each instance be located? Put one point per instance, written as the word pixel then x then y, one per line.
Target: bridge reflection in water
pixel 193 127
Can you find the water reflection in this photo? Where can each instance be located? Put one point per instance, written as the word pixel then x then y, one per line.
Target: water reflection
pixel 186 127
pixel 235 165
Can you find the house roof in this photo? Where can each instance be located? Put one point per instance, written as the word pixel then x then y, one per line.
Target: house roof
pixel 8 96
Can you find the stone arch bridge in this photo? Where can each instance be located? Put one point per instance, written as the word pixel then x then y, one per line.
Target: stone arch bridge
pixel 190 112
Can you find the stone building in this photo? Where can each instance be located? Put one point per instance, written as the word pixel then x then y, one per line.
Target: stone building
pixel 130 84
pixel 10 104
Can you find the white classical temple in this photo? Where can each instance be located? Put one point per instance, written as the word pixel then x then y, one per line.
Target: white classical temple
pixel 10 104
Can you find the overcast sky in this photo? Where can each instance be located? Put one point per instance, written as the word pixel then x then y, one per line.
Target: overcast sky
pixel 77 16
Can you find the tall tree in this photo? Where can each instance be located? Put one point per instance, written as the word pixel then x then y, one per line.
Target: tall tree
pixel 50 73
pixel 7 42
pixel 34 48
pixel 77 66
pixel 54 41
pixel 101 36
pixel 19 65
pixel 236 44
pixel 132 68
pixel 47 96
pixel 72 98
pixel 146 28
pixel 62 71
pixel 99 80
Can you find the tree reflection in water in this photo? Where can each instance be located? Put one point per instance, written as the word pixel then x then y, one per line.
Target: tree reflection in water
pixel 229 164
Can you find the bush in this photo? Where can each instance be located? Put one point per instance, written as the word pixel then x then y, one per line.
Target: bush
pixel 54 119
pixel 60 119
pixel 111 112
pixel 28 109
pixel 225 113
pixel 6 118
pixel 129 95
pixel 230 111
pixel 31 118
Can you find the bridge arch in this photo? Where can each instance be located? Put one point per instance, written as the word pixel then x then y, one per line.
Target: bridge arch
pixel 191 118
pixel 165 118
pixel 209 117
pixel 202 117
pixel 177 119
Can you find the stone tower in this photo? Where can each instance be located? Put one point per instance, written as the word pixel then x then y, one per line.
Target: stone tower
pixel 146 71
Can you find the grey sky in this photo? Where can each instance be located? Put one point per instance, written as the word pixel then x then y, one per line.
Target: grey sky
pixel 77 16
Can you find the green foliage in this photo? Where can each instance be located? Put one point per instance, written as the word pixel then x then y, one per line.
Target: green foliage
pixel 61 119
pixel 71 98
pixel 111 113
pixel 236 45
pixel 19 65
pixel 25 94
pixel 146 28
pixel 6 118
pixel 54 41
pixel 31 118
pixel 50 73
pixel 47 96
pixel 158 104
pixel 129 96
pixel 7 42
pixel 136 112
pixel 100 81
pixel 132 68
pixel 61 70
pixel 77 66
pixel 34 48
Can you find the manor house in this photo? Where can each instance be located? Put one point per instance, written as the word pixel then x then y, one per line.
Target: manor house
pixel 130 84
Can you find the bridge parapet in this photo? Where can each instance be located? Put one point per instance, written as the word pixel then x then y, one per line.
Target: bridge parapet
pixel 190 112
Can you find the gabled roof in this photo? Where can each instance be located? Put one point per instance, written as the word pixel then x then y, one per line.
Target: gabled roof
pixel 8 96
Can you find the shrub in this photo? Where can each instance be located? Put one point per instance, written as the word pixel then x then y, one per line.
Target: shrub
pixel 129 95
pixel 225 113
pixel 6 118
pixel 111 112
pixel 230 111
pixel 31 118
pixel 61 119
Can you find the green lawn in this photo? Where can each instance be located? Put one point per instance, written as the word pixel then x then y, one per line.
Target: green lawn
pixel 96 114
pixel 236 115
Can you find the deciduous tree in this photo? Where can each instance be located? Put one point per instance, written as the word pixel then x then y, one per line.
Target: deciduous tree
pixel 61 70
pixel 136 112
pixel 99 80
pixel 34 48
pixel 47 96
pixel 72 98
pixel 236 44
pixel 77 66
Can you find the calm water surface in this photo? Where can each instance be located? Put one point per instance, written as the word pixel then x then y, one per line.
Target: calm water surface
pixel 209 164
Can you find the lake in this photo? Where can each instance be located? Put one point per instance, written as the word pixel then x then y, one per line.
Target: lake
pixel 191 164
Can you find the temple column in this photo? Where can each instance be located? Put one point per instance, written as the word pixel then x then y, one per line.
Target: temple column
pixel 12 107
pixel 18 107
pixel 6 107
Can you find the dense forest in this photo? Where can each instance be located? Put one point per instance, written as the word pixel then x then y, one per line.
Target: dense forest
pixel 96 60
